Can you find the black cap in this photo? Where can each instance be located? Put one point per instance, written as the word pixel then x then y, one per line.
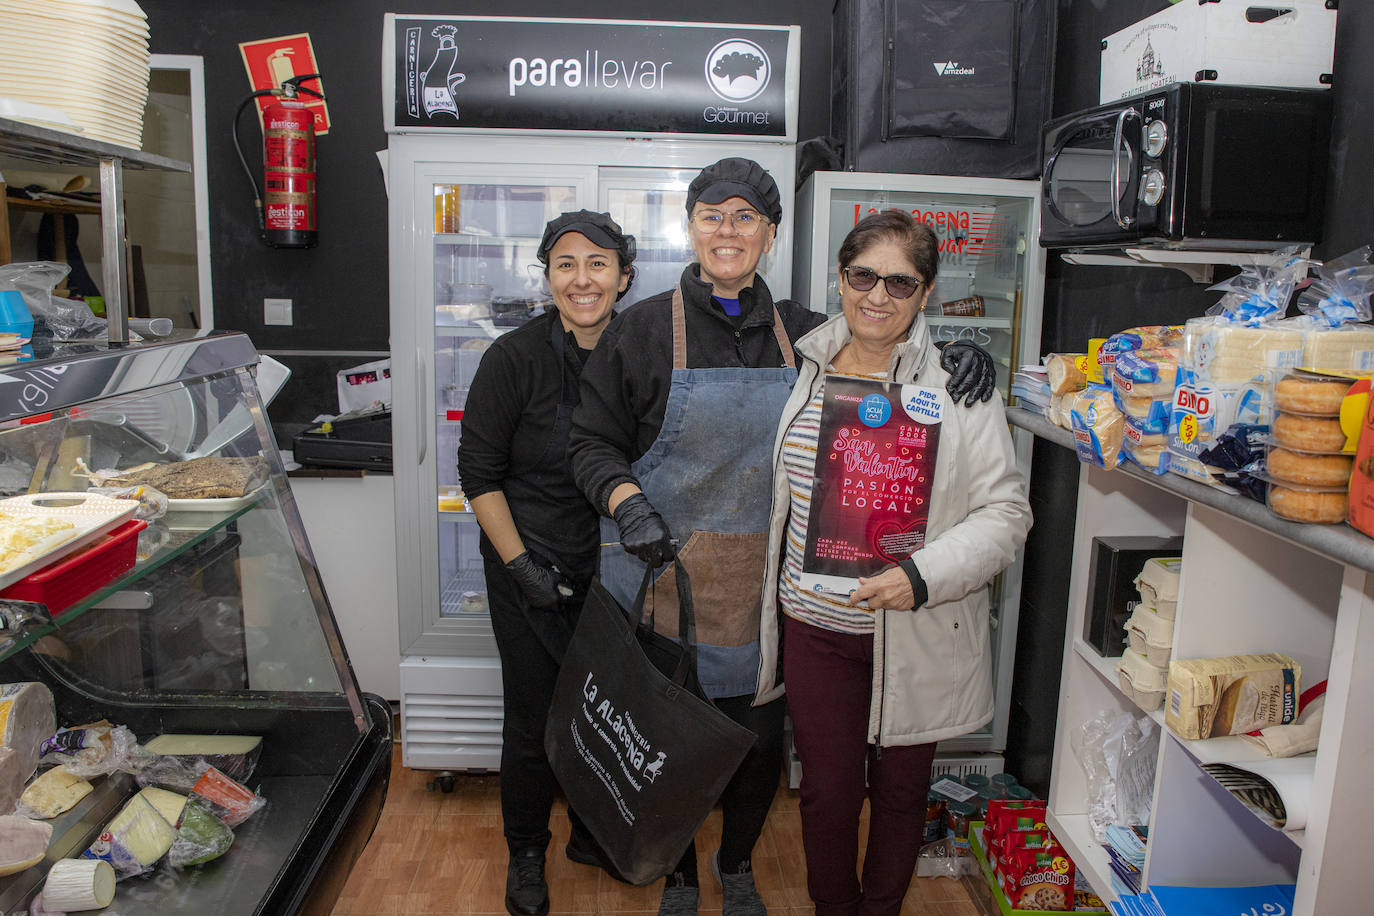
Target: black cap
pixel 598 227
pixel 737 178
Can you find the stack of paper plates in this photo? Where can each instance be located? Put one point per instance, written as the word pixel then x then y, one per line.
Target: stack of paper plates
pixel 86 58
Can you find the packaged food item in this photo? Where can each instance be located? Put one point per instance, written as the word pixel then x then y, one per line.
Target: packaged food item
pixel 27 716
pixel 1149 416
pixel 201 837
pixel 1311 395
pixel 1361 502
pixel 1146 373
pixel 228 800
pixel 233 755
pixel 1328 506
pixel 53 792
pixel 78 884
pixel 971 306
pixel 97 749
pixel 1143 683
pixel 1211 697
pixel 1044 880
pixel 1067 372
pixel 1098 427
pixel 1320 435
pixel 1305 469
pixel 168 804
pixel 23 843
pixel 1335 303
pixel 1150 635
pixel 1142 338
pixel 1158 584
pixel 134 839
pixel 935 818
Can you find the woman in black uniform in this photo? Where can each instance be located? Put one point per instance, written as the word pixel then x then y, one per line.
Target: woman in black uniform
pixel 539 533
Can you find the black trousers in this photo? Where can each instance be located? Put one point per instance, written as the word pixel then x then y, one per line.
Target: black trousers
pixel 749 794
pixel 531 642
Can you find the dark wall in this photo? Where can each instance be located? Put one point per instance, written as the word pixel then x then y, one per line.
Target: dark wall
pixel 1085 302
pixel 339 289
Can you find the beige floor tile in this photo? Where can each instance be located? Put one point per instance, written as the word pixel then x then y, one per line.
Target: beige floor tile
pixel 382 875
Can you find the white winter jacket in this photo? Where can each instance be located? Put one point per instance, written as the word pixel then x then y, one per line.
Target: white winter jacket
pixel 932 667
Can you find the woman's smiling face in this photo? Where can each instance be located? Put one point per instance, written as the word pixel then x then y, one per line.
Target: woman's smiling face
pixel 728 259
pixel 585 280
pixel 876 320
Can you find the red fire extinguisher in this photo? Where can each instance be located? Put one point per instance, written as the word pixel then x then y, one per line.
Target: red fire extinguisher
pixel 286 208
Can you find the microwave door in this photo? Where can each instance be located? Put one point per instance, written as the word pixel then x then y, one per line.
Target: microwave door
pixel 1091 179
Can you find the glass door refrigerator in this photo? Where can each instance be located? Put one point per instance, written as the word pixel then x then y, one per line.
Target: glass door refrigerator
pixel 988 290
pixel 467 213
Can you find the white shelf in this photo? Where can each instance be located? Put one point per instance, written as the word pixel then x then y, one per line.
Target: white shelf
pixel 1106 667
pixel 1075 833
pixel 968 321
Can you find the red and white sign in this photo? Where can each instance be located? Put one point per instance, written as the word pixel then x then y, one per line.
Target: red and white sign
pixel 272 61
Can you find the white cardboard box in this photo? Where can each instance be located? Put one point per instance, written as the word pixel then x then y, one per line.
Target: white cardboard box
pixel 1287 44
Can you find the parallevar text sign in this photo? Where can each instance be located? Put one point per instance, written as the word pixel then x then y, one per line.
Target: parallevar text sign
pixel 589 75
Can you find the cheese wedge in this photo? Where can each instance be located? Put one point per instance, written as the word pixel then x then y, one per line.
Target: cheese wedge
pixel 168 804
pixel 23 843
pixel 54 792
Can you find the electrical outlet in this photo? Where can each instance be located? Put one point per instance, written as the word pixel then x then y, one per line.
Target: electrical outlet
pixel 276 311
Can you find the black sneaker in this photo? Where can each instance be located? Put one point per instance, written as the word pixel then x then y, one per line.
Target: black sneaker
pixel 527 894
pixel 584 850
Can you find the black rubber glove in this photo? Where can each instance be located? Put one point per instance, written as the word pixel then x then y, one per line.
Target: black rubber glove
pixel 643 532
pixel 539 583
pixel 972 373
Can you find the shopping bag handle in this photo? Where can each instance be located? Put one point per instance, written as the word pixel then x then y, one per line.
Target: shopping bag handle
pixel 686 618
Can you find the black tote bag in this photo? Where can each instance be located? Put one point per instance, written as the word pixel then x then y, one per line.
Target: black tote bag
pixel 641 755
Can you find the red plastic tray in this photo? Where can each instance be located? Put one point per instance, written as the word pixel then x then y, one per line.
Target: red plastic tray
pixel 66 582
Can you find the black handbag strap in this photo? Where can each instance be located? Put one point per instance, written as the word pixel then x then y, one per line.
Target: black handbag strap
pixel 686 618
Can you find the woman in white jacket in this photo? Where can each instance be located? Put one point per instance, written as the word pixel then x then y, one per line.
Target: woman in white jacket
pixel 874 681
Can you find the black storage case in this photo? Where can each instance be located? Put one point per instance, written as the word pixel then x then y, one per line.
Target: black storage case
pixel 942 87
pixel 360 442
pixel 1112 594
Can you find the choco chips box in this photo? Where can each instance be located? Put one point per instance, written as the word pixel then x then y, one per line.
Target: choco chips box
pixel 1043 879
pixel 1007 814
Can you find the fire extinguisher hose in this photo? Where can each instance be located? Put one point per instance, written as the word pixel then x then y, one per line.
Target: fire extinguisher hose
pixel 238 148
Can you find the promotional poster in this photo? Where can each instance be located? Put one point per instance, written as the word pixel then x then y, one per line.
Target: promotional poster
pixel 875 465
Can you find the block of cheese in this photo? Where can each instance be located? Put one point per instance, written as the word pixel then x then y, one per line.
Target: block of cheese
pixel 201 837
pixel 135 839
pixel 1350 346
pixel 78 884
pixel 23 843
pixel 53 792
pixel 27 716
pixel 233 755
pixel 1213 697
pixel 12 779
pixel 168 804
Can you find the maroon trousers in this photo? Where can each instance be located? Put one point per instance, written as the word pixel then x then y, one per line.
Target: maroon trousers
pixel 829 679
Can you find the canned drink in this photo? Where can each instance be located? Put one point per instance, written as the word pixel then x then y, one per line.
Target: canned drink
pixel 970 306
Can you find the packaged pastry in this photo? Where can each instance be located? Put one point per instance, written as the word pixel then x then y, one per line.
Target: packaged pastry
pixel 1212 697
pixel 1144 449
pixel 1320 505
pixel 1149 415
pixel 1146 373
pixel 1305 469
pixel 1301 433
pixel 1334 304
pixel 1310 394
pixel 1098 427
pixel 1143 338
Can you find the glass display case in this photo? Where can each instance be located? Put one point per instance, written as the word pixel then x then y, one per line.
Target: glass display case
pixel 217 623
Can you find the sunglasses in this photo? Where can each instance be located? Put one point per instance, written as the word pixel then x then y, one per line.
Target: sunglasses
pixel 898 286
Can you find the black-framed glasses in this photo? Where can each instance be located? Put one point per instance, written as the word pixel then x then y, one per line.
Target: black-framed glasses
pixel 898 286
pixel 746 222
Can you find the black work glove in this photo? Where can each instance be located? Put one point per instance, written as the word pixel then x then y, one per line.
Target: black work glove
pixel 643 532
pixel 540 583
pixel 972 373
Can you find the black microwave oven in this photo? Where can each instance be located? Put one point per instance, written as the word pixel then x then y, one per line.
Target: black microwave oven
pixel 1189 165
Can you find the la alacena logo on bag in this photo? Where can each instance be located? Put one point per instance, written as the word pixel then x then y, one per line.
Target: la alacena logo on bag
pixel 620 732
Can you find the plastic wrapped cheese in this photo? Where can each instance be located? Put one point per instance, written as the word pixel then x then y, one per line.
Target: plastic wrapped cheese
pixel 23 843
pixel 233 755
pixel 229 800
pixel 27 716
pixel 201 837
pixel 78 884
pixel 168 804
pixel 134 840
pixel 53 792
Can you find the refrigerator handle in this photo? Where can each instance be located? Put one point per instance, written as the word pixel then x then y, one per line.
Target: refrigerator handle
pixel 421 427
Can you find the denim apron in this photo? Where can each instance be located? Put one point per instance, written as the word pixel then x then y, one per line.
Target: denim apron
pixel 709 474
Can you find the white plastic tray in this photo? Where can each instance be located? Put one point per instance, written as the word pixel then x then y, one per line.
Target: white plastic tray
pixel 91 515
pixel 216 504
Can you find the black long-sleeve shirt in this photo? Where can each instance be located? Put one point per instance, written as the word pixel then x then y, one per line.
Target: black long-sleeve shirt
pixel 507 424
pixel 625 383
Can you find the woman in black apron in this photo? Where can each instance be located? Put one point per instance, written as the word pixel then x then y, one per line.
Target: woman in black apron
pixel 539 534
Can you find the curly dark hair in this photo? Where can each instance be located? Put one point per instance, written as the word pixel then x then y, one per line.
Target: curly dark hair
pixel 916 240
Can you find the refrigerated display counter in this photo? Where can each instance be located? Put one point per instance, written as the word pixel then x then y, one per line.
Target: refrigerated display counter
pixel 221 626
